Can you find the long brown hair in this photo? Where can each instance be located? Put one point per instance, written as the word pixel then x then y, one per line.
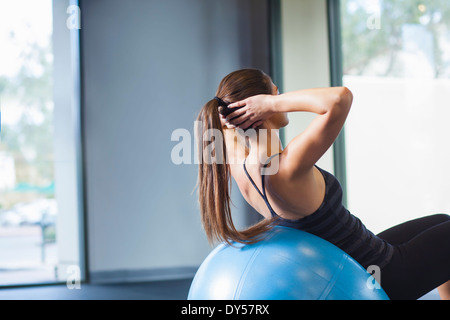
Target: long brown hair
pixel 214 178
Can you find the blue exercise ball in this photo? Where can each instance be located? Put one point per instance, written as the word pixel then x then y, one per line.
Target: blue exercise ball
pixel 288 264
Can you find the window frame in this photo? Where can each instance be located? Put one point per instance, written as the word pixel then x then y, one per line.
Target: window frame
pixel 336 76
pixel 74 89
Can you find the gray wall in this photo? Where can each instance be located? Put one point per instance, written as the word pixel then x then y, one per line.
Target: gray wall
pixel 147 68
pixel 305 25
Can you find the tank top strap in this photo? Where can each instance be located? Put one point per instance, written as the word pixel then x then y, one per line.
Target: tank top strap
pixel 262 194
pixel 273 213
pixel 251 180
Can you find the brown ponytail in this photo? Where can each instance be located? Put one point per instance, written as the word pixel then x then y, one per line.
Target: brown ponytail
pixel 214 183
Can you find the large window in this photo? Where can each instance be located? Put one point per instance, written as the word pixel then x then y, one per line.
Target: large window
pixel 34 236
pixel 396 60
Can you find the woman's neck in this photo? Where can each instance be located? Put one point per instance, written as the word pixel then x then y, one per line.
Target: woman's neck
pixel 254 145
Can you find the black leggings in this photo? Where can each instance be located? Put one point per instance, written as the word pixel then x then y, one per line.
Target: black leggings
pixel 421 260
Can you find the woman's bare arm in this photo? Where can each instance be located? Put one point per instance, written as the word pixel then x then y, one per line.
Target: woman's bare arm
pixel 332 106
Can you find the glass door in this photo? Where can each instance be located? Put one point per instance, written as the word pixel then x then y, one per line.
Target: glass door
pixel 396 60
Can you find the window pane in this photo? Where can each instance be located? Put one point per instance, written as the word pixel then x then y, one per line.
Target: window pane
pixel 30 217
pixel 397 63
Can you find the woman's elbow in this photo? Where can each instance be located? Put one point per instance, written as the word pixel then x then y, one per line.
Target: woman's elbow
pixel 344 98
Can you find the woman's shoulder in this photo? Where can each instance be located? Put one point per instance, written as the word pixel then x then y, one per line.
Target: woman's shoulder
pixel 297 195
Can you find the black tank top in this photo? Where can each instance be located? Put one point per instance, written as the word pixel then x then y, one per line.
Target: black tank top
pixel 334 223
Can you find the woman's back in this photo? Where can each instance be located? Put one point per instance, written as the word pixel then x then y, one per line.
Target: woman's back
pixel 333 222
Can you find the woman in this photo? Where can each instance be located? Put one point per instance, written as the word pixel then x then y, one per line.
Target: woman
pixel 414 257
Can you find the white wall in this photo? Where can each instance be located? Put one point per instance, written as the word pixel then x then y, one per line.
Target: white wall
pixel 305 58
pixel 148 67
pixel 397 154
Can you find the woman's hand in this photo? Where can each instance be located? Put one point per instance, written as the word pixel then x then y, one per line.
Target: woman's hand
pixel 255 110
